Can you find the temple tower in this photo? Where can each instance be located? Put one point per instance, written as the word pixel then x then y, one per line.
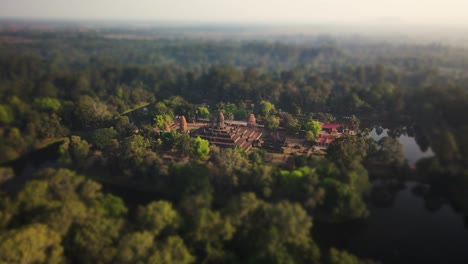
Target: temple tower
pixel 251 122
pixel 221 120
pixel 183 125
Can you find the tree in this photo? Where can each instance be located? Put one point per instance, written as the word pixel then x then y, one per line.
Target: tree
pixel 90 112
pixel 391 151
pixel 6 114
pixel 201 149
pixel 47 104
pixel 203 112
pixel 266 108
pixel 171 250
pixel 6 174
pixel 31 244
pixel 163 121
pixel 135 247
pixel 272 123
pixel 268 239
pixel 291 124
pixel 103 137
pixel 313 129
pixel 342 257
pixel 342 202
pixel 95 240
pixel 79 149
pixel 157 217
pixel 229 110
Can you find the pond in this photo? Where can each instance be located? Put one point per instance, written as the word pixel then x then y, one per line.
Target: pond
pixel 401 228
pixel 411 150
pixel 404 232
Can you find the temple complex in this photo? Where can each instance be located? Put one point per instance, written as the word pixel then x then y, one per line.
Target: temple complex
pixel 225 136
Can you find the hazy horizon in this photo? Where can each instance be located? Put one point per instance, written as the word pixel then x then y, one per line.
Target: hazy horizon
pixel 332 12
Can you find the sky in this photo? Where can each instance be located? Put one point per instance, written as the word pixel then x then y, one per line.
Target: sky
pixel 417 12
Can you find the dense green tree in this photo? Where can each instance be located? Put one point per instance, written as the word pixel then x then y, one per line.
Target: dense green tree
pixel 272 123
pixel 103 137
pixel 47 104
pixel 266 108
pixel 313 129
pixel 269 240
pixel 90 112
pixel 203 112
pixel 342 257
pixel 342 202
pixel 96 240
pixel 163 122
pixel 6 114
pixel 391 151
pixel 31 244
pixel 156 217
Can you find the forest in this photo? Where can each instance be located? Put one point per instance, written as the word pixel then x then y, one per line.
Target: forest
pixel 90 172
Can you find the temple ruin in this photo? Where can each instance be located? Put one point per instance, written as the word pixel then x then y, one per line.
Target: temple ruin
pixel 225 135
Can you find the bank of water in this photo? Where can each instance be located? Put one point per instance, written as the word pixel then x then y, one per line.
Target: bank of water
pixel 401 228
pixel 411 149
pixel 404 232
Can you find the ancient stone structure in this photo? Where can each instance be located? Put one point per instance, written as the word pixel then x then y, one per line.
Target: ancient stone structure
pixel 183 125
pixel 251 122
pixel 225 136
pixel 221 120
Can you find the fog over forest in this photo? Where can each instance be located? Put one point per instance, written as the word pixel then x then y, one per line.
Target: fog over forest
pixel 314 132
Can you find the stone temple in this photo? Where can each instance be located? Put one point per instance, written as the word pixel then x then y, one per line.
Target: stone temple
pixel 226 136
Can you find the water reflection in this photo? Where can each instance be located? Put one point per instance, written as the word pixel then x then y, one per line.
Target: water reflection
pixel 403 227
pixel 411 149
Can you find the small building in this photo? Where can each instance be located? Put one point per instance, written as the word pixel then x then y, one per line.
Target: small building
pixel 325 139
pixel 330 132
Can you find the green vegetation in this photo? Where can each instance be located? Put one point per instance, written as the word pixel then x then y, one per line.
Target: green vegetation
pixel 115 104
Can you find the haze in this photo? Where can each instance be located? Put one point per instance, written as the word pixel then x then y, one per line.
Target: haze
pixel 430 12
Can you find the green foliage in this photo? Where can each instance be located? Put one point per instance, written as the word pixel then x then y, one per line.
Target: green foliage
pixel 94 241
pixel 135 247
pixel 201 149
pixel 313 129
pixel 272 123
pixel 6 114
pixel 90 112
pixel 47 104
pixel 348 152
pixel 156 217
pixel 266 108
pixel 391 151
pixel 342 257
pixel 269 240
pixel 79 149
pixel 31 244
pixel 6 174
pixel 203 112
pixel 103 137
pixel 342 202
pixel 291 124
pixel 171 250
pixel 59 211
pixel 163 121
pixel 112 206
